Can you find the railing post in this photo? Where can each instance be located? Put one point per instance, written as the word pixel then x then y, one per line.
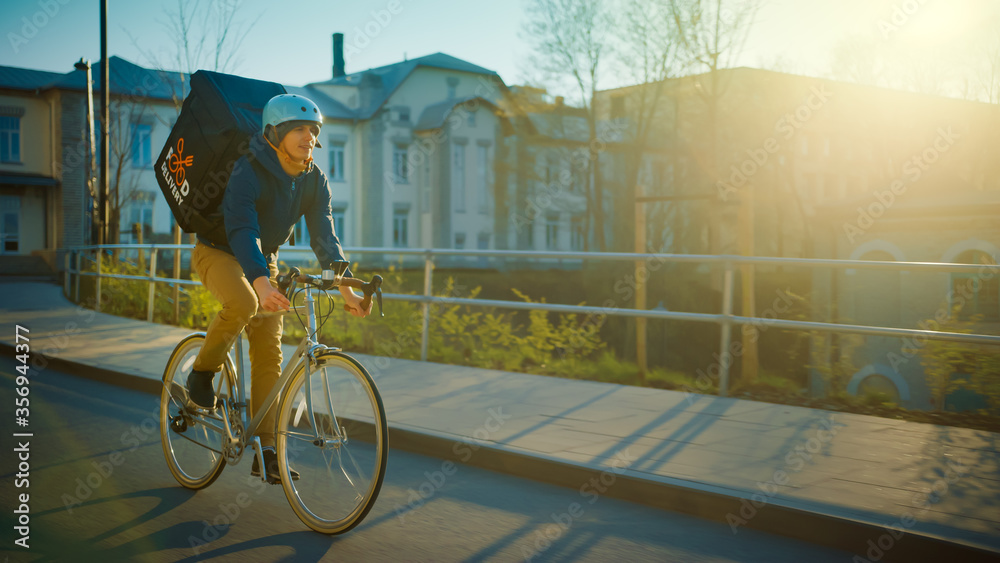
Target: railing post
pixel 177 276
pixel 428 277
pixel 76 281
pixel 100 256
pixel 727 328
pixel 66 274
pixel 152 284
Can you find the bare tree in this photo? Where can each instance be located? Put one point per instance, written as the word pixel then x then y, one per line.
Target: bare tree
pixel 648 55
pixel 208 35
pixel 126 116
pixel 988 73
pixel 570 40
pixel 712 35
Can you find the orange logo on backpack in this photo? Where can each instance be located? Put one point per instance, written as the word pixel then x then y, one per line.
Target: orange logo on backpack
pixel 178 162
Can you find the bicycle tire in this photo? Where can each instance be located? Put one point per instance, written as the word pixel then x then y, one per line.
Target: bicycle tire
pixel 195 465
pixel 339 502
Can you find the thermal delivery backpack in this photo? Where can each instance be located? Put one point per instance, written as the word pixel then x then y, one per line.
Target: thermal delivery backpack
pixel 212 132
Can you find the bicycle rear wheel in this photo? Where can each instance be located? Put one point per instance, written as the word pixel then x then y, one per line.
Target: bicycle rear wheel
pixel 331 428
pixel 192 448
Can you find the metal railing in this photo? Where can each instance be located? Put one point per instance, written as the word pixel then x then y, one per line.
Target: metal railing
pixel 725 319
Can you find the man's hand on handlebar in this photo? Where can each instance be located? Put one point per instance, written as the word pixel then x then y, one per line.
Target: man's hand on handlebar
pixel 268 296
pixel 353 302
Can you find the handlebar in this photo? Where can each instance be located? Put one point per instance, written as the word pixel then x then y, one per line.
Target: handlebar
pixel 329 280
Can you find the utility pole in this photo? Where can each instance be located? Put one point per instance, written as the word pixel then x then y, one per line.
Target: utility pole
pixel 105 102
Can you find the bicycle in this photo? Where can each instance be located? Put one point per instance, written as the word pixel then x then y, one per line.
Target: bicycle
pixel 330 424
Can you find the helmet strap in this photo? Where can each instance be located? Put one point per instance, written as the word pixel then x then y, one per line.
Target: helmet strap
pixel 299 167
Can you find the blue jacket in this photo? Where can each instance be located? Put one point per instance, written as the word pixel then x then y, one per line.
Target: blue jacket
pixel 261 206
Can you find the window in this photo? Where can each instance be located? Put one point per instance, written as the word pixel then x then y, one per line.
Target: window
pixel 459 241
pixel 458 176
pixel 471 119
pixel 483 241
pixel 452 82
pixel 482 182
pixel 339 215
pixel 400 165
pixel 301 235
pixel 337 162
pixel 576 233
pixel 400 228
pixel 404 114
pixel 552 231
pixel 142 150
pixel 977 296
pixel 10 139
pixel 140 211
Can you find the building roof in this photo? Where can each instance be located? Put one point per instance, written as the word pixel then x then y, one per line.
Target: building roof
pixel 331 108
pixel 25 78
pixel 127 78
pixel 385 80
pixel 26 179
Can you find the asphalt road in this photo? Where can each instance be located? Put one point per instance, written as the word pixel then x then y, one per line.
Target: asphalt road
pixel 99 490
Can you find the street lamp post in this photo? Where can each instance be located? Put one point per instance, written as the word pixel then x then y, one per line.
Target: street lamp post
pixel 91 165
pixel 105 102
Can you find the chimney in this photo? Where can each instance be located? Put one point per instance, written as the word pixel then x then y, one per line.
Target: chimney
pixel 338 55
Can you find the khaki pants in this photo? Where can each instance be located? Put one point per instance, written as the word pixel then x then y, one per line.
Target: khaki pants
pixel 222 274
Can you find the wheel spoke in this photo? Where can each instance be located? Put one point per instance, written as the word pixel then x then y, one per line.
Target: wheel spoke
pixel 339 479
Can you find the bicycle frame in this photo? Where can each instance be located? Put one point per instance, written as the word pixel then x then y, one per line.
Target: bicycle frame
pixel 305 352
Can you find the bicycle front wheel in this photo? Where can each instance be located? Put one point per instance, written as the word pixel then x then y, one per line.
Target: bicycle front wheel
pixel 191 437
pixel 331 428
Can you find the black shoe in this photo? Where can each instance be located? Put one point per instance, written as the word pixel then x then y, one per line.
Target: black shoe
pixel 271 461
pixel 200 389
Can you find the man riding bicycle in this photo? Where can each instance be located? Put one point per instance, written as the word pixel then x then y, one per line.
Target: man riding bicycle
pixel 270 189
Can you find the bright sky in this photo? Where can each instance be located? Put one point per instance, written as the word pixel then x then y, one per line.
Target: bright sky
pixel 293 45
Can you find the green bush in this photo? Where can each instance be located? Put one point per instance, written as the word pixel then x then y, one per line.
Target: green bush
pixel 546 344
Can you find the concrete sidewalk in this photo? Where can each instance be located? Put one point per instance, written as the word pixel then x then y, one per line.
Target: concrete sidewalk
pixel 884 489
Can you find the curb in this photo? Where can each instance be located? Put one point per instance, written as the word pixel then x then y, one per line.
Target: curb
pixel 777 516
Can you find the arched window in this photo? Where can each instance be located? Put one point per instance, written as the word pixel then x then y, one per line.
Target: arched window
pixel 976 293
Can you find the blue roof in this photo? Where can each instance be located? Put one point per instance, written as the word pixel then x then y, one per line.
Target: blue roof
pixel 127 78
pixel 332 109
pixel 393 75
pixel 434 115
pixel 25 78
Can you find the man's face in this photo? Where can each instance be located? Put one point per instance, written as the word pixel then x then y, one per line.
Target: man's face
pixel 299 142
